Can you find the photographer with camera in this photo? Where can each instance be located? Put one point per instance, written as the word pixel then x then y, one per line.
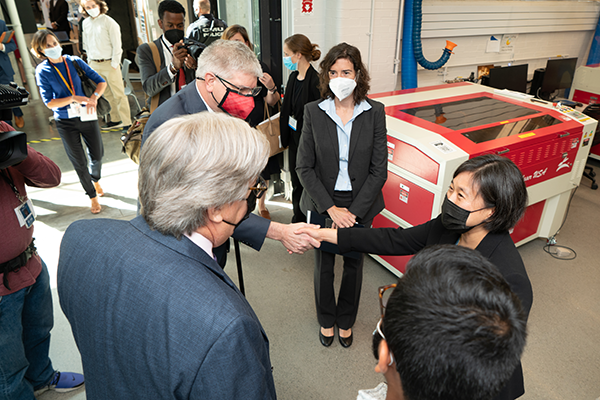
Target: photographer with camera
pixel 177 67
pixel 26 314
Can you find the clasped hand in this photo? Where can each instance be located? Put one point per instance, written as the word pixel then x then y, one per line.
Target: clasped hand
pixel 342 218
pixel 89 102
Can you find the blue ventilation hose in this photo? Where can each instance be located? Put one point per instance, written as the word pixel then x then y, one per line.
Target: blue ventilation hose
pixel 409 62
pixel 417 17
pixel 594 56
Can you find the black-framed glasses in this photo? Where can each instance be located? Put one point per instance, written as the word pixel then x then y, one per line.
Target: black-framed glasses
pixel 384 296
pixel 242 91
pixel 260 188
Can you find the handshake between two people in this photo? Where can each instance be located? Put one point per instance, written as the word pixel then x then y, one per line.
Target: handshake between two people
pixel 301 237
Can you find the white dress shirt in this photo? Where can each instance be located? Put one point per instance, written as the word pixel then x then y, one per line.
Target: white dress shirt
pixel 102 39
pixel 168 54
pixel 45 5
pixel 201 242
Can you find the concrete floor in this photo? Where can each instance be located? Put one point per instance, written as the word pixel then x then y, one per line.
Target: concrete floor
pixel 561 361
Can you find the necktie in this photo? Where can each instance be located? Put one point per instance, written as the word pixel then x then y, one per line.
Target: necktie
pixel 180 79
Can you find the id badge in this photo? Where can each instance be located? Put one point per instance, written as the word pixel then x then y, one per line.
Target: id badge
pixel 292 123
pixel 86 116
pixel 74 110
pixel 25 214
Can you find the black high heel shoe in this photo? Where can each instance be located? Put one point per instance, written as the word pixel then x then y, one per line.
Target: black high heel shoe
pixel 346 342
pixel 325 340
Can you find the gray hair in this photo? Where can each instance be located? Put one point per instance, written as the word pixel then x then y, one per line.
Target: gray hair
pixel 196 162
pixel 227 58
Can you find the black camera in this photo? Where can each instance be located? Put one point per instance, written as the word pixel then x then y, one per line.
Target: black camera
pixel 193 47
pixel 13 145
pixel 13 148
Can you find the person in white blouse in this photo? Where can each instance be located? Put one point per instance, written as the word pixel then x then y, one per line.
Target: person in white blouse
pixel 102 44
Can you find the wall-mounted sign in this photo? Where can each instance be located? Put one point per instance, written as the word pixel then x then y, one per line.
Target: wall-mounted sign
pixel 307 6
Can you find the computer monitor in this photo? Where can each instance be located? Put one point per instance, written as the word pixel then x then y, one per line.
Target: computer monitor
pixel 513 78
pixel 559 74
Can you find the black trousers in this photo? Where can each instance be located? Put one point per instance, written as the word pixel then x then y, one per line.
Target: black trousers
pixel 343 313
pixel 71 131
pixel 297 187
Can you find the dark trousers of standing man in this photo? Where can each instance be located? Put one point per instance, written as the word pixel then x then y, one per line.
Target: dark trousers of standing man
pixel 342 314
pixel 71 131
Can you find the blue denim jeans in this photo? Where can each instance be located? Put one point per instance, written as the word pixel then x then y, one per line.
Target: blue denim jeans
pixel 26 318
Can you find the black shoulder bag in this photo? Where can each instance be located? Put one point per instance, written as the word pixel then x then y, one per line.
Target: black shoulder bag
pixel 89 87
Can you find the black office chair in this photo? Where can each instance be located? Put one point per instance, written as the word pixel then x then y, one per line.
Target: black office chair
pixel 593 111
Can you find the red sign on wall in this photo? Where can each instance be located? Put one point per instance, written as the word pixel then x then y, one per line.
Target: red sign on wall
pixel 307 6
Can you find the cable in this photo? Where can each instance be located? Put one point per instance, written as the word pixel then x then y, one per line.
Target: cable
pixel 561 252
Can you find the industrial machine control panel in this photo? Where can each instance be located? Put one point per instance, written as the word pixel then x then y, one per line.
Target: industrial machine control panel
pixel 432 130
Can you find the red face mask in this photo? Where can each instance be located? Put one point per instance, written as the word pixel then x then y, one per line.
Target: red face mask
pixel 235 104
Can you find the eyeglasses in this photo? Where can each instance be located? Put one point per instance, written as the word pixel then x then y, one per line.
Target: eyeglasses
pixel 384 296
pixel 242 91
pixel 260 188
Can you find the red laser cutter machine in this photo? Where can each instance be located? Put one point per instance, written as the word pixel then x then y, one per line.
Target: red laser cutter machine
pixel 432 130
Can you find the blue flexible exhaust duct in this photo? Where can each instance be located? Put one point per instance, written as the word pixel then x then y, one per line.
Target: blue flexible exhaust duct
pixel 594 56
pixel 412 51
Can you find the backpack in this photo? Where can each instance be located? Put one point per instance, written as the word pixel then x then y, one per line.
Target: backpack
pixel 132 139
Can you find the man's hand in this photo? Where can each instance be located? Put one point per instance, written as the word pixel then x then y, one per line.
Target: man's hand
pixel 191 63
pixel 179 54
pixel 342 218
pixel 293 242
pixel 54 25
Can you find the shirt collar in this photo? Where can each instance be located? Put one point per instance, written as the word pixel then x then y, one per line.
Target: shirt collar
pixel 201 242
pixel 328 105
pixel 202 98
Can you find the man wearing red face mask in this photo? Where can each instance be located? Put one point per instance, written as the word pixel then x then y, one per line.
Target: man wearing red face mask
pixel 226 80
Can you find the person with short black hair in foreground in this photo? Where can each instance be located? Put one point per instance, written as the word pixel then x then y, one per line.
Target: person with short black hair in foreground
pixel 153 314
pixel 485 200
pixel 451 329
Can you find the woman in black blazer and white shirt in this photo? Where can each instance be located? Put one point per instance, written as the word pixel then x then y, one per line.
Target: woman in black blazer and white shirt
pixel 302 88
pixel 342 164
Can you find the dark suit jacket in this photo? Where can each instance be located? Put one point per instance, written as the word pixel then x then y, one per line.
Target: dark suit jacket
pixel 59 14
pixel 154 81
pixel 310 92
pixel 6 71
pixel 156 318
pixel 496 247
pixel 317 164
pixel 251 232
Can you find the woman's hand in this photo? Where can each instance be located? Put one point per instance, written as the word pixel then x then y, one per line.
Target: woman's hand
pixel 321 235
pixel 91 104
pixel 267 80
pixel 341 217
pixel 79 99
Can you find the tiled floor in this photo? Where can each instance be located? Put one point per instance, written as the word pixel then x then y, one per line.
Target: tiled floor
pixel 562 359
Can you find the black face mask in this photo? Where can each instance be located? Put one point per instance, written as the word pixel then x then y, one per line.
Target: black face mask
pixel 251 202
pixel 174 35
pixel 455 218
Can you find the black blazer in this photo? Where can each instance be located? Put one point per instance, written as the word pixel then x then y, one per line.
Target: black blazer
pixel 310 92
pixel 496 247
pixel 58 14
pixel 317 164
pixel 154 81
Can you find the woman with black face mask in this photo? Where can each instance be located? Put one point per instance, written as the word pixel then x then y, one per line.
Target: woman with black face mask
pixel 485 200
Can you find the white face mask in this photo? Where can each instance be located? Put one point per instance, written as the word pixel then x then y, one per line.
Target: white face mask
pixel 53 52
pixel 93 12
pixel 342 87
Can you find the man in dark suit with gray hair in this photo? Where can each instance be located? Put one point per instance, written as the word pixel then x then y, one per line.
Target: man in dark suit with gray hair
pixel 153 314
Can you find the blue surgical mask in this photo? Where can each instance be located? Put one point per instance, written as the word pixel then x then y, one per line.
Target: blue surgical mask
pixel 53 52
pixel 287 61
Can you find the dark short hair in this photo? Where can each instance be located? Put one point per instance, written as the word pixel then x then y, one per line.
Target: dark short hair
pixel 501 185
pixel 351 53
pixel 454 327
pixel 172 6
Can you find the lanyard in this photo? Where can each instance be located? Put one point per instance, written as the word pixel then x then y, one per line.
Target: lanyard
pixel 9 180
pixel 63 78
